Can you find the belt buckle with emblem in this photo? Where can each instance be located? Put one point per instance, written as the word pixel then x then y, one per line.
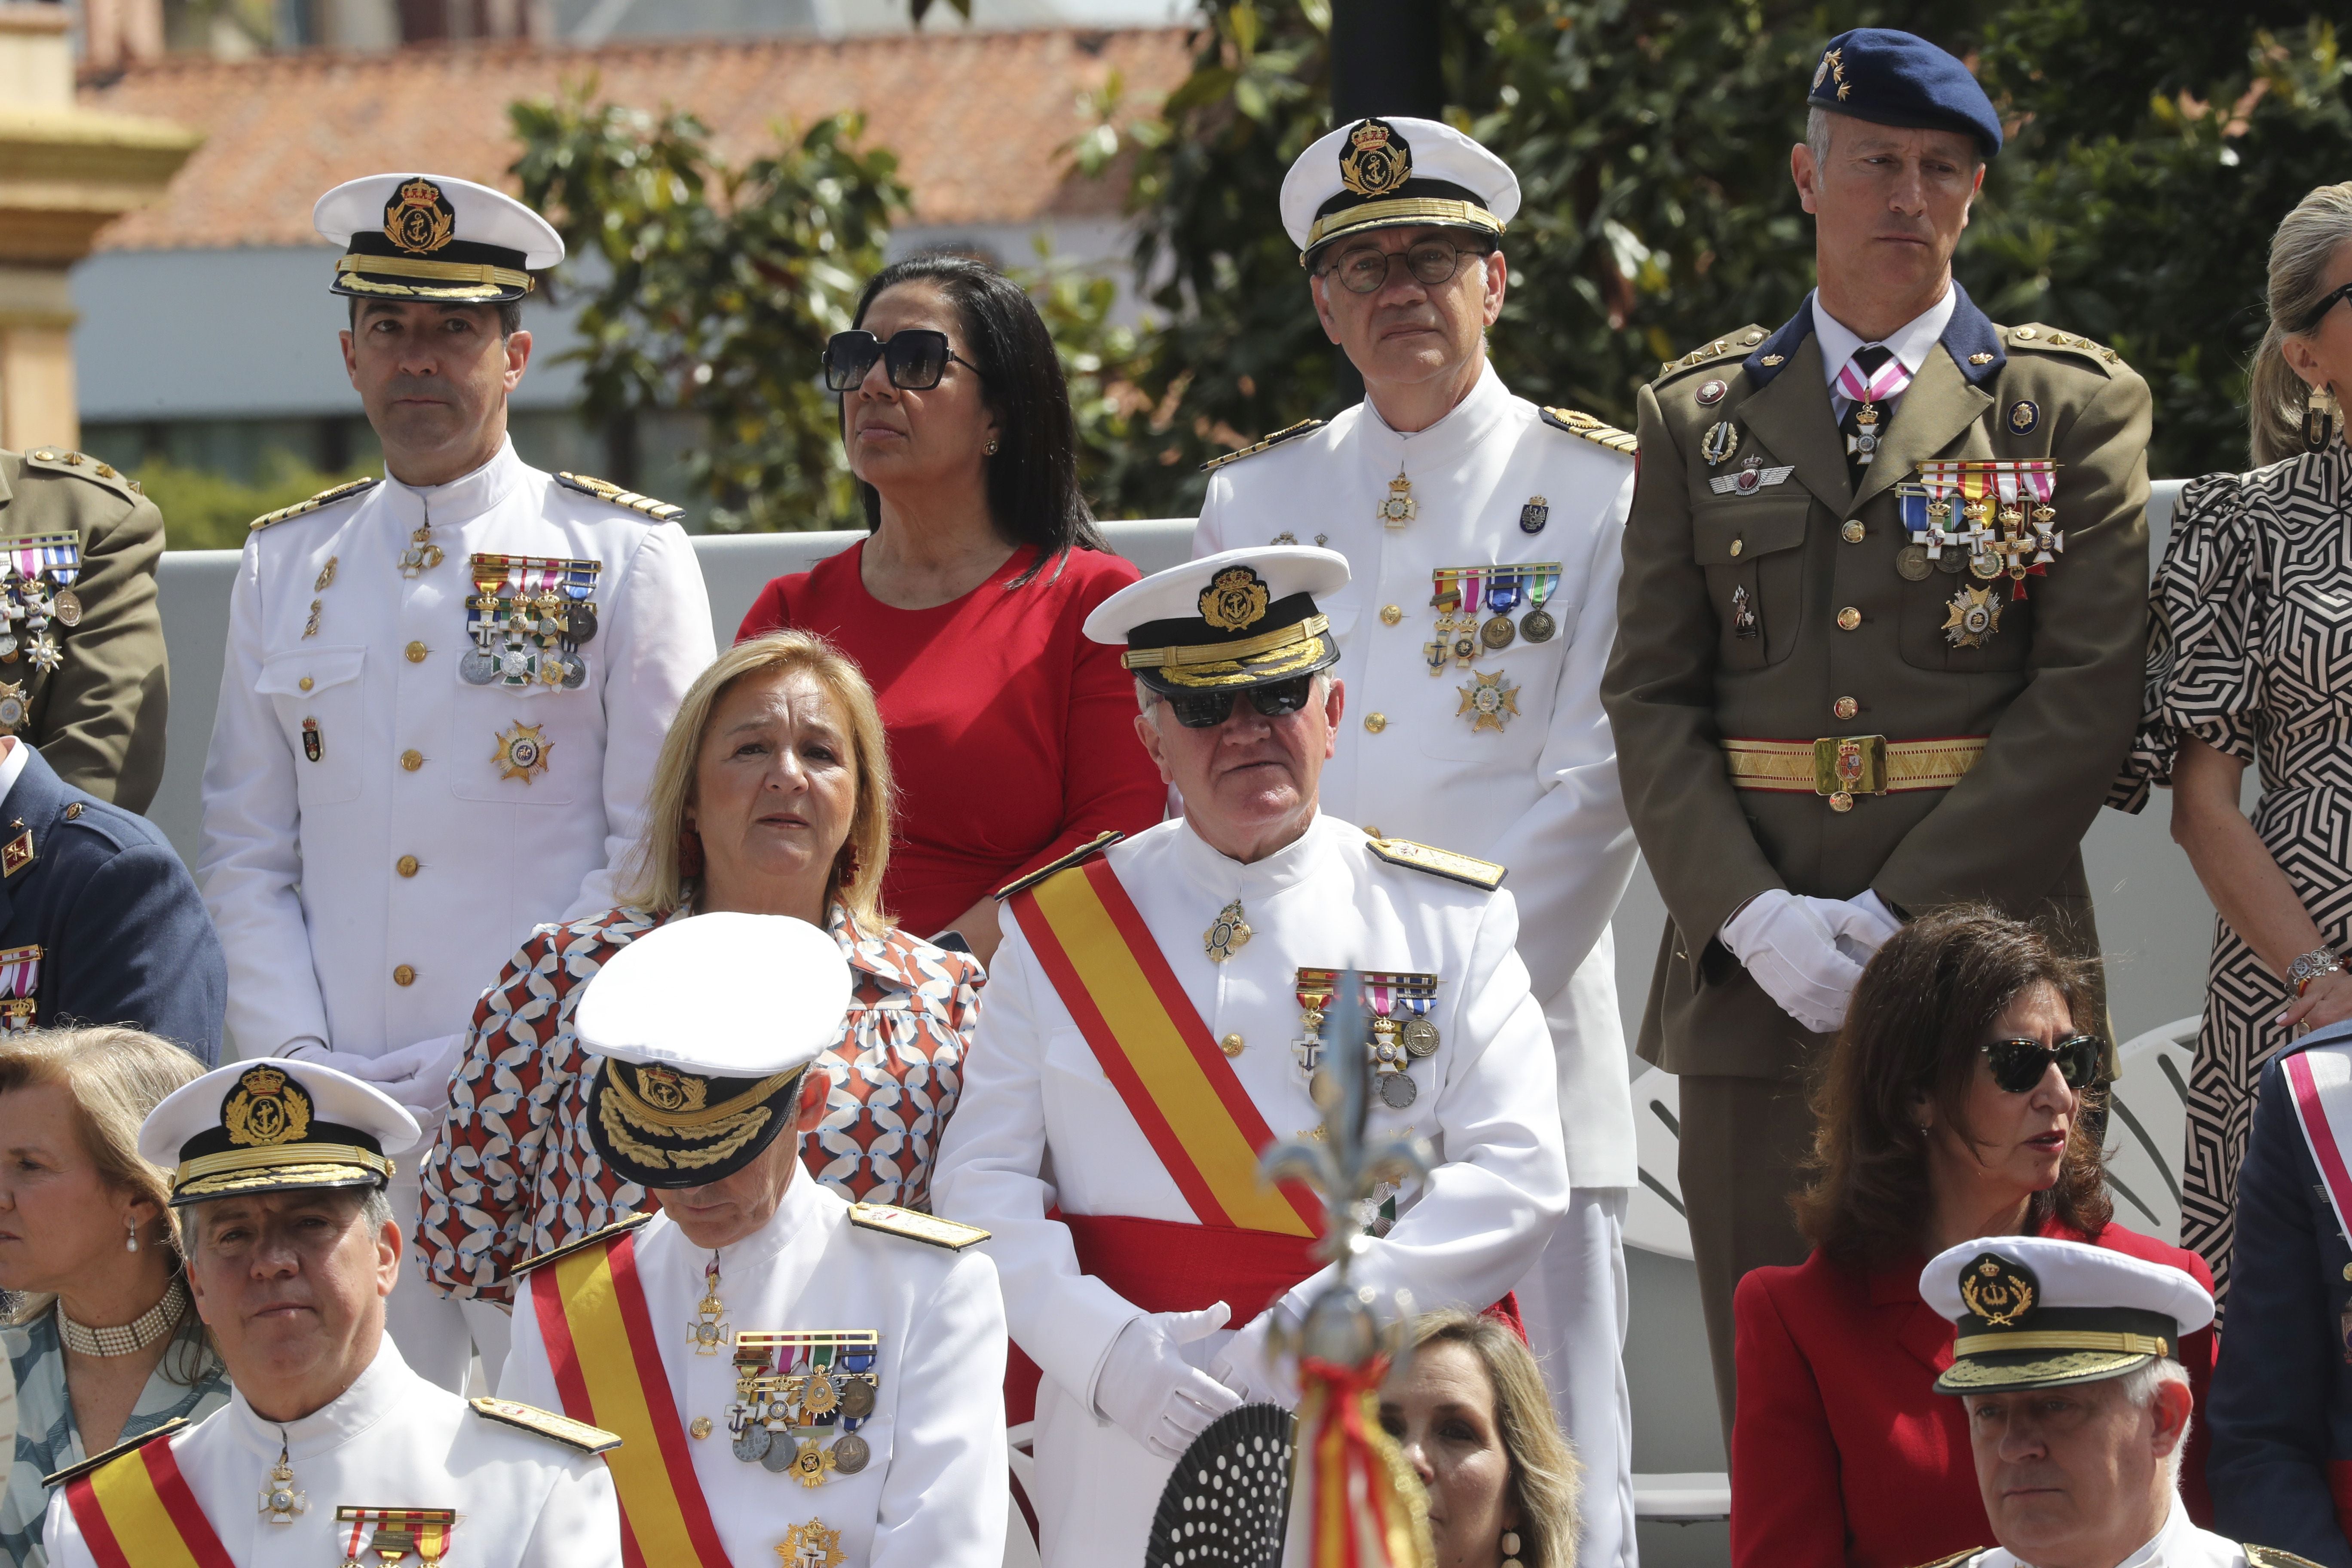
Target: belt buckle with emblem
pixel 1848 766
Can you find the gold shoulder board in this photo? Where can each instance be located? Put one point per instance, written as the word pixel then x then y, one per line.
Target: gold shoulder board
pixel 606 490
pixel 547 1424
pixel 1957 1558
pixel 2272 1557
pixel 930 1229
pixel 100 1461
pixel 580 1242
pixel 2034 335
pixel 1576 422
pixel 82 465
pixel 1082 854
pixel 1287 433
pixel 1741 343
pixel 324 498
pixel 1439 862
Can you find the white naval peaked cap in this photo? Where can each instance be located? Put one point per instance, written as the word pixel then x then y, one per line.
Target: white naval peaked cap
pixel 1175 594
pixel 2034 1311
pixel 721 995
pixel 435 239
pixel 1389 173
pixel 275 1125
pixel 1229 621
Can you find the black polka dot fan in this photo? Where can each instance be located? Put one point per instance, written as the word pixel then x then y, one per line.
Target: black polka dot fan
pixel 1228 1501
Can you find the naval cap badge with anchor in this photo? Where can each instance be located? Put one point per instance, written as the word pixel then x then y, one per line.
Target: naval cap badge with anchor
pixel 418 218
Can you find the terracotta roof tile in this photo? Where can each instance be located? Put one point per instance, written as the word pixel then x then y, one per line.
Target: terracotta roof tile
pixel 978 120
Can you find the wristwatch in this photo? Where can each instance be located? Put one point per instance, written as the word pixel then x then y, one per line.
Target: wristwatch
pixel 2319 960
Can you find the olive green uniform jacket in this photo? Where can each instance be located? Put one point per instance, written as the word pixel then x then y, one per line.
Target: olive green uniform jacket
pixel 98 717
pixel 2056 689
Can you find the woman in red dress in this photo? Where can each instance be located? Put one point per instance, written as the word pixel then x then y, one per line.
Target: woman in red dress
pixel 1952 1109
pixel 1012 735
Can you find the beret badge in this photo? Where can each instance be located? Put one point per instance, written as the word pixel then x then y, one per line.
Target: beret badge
pixel 265 1107
pixel 1998 1291
pixel 1236 601
pixel 1376 160
pixel 419 219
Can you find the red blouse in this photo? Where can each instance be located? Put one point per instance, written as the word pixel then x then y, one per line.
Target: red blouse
pixel 1843 1454
pixel 1012 735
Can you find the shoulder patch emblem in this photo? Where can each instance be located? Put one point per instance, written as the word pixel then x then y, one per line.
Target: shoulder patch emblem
pixel 1576 422
pixel 930 1229
pixel 1439 862
pixel 82 465
pixel 100 1461
pixel 547 1424
pixel 17 853
pixel 2272 1557
pixel 612 1232
pixel 1288 433
pixel 2037 336
pixel 1741 343
pixel 324 498
pixel 1083 853
pixel 606 490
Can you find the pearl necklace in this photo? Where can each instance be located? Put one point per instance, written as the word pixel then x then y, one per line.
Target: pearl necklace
pixel 144 1331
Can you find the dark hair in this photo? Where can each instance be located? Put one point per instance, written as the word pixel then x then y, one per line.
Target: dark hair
pixel 1913 1029
pixel 1032 479
pixel 509 315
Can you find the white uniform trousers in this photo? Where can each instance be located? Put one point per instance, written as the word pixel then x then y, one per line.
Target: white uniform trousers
pixel 437 1335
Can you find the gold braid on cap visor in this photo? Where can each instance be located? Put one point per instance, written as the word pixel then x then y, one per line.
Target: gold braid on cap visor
pixel 721 1128
pixel 1403 210
pixel 1220 664
pixel 480 274
pixel 276 1161
pixel 2063 1339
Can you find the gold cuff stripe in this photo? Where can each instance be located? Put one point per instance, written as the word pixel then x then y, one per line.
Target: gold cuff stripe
pixel 1403 210
pixel 268 1158
pixel 2063 1339
pixel 474 272
pixel 1789 765
pixel 654 1117
pixel 1225 652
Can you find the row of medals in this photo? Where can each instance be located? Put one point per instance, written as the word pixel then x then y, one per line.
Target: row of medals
pixel 29 601
pixel 770 1406
pixel 1992 558
pixel 1394 1044
pixel 1463 636
pixel 501 651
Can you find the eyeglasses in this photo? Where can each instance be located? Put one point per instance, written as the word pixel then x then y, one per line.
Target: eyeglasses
pixel 2018 1065
pixel 2320 311
pixel 916 358
pixel 1366 270
pixel 1207 709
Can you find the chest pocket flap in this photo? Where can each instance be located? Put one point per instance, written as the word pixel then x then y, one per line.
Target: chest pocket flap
pixel 306 671
pixel 1740 531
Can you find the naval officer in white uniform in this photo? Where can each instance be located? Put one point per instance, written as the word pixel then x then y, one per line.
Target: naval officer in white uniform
pixel 1225 931
pixel 834 1371
pixel 444 692
pixel 1483 536
pixel 331 1449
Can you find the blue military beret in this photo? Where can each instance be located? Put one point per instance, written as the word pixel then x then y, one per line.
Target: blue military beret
pixel 1899 78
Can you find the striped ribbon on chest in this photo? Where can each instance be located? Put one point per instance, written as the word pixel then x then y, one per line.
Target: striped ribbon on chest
pixel 138 1512
pixel 2319 1080
pixel 1889 380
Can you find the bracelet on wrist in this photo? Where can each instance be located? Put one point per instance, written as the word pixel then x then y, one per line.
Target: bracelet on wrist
pixel 2319 960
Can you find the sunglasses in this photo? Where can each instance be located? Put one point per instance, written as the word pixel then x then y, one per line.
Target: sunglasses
pixel 915 358
pixel 2335 297
pixel 1366 270
pixel 2018 1065
pixel 1207 709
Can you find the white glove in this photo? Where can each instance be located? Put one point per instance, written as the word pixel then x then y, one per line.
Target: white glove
pixel 1864 929
pixel 417 1075
pixel 1153 1393
pixel 1251 1370
pixel 1789 943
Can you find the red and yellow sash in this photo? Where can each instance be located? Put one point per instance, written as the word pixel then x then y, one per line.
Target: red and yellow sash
pixel 1150 1038
pixel 138 1512
pixel 599 1334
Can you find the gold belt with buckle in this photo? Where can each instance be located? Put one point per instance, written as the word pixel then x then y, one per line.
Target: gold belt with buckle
pixel 1843 766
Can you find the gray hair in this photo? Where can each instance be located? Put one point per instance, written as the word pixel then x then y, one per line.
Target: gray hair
pixel 2139 1385
pixel 1817 136
pixel 1319 687
pixel 375 1213
pixel 2306 241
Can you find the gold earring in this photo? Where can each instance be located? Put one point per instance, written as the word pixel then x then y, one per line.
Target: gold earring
pixel 2320 410
pixel 991 448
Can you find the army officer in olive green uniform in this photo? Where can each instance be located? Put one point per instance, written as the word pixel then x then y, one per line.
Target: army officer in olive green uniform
pixel 1879 634
pixel 82 674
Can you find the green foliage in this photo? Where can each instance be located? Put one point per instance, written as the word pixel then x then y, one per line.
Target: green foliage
pixel 717 287
pixel 205 511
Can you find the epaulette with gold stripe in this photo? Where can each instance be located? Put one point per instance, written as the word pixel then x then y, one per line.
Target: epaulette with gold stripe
pixel 1741 343
pixel 580 1243
pixel 324 498
pixel 100 1461
pixel 1439 862
pixel 2034 335
pixel 1576 422
pixel 927 1229
pixel 1083 852
pixel 2272 1557
pixel 82 465
pixel 547 1424
pixel 1288 433
pixel 606 490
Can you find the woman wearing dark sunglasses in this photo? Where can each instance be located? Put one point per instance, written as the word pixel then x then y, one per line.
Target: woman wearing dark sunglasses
pixel 1951 1106
pixel 1010 734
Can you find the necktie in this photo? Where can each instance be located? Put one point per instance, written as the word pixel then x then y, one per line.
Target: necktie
pixel 1869 379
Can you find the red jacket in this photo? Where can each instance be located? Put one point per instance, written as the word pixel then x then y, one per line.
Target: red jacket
pixel 1843 1454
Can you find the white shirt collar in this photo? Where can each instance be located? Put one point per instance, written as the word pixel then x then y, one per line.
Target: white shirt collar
pixel 372 1396
pixel 1465 426
pixel 2174 1546
pixel 1912 342
pixel 1223 878
pixel 461 500
pixel 12 766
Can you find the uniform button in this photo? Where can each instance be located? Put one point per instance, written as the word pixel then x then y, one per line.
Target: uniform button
pixel 73 812
pixel 413 759
pixel 417 652
pixel 405 865
pixel 1231 1045
pixel 1737 545
pixel 304 683
pixel 405 975
pixel 1845 708
pixel 1372 832
pixel 701 1426
pixel 1390 615
pixel 1848 618
pixel 1376 722
pixel 1852 533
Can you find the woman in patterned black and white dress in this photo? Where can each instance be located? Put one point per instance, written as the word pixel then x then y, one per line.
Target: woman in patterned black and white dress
pixel 2250 660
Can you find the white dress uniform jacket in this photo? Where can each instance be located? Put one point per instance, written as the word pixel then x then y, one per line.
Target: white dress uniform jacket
pixel 311 857
pixel 392 1440
pixel 934 1493
pixel 1539 796
pixel 1041 1125
pixel 2179 1544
